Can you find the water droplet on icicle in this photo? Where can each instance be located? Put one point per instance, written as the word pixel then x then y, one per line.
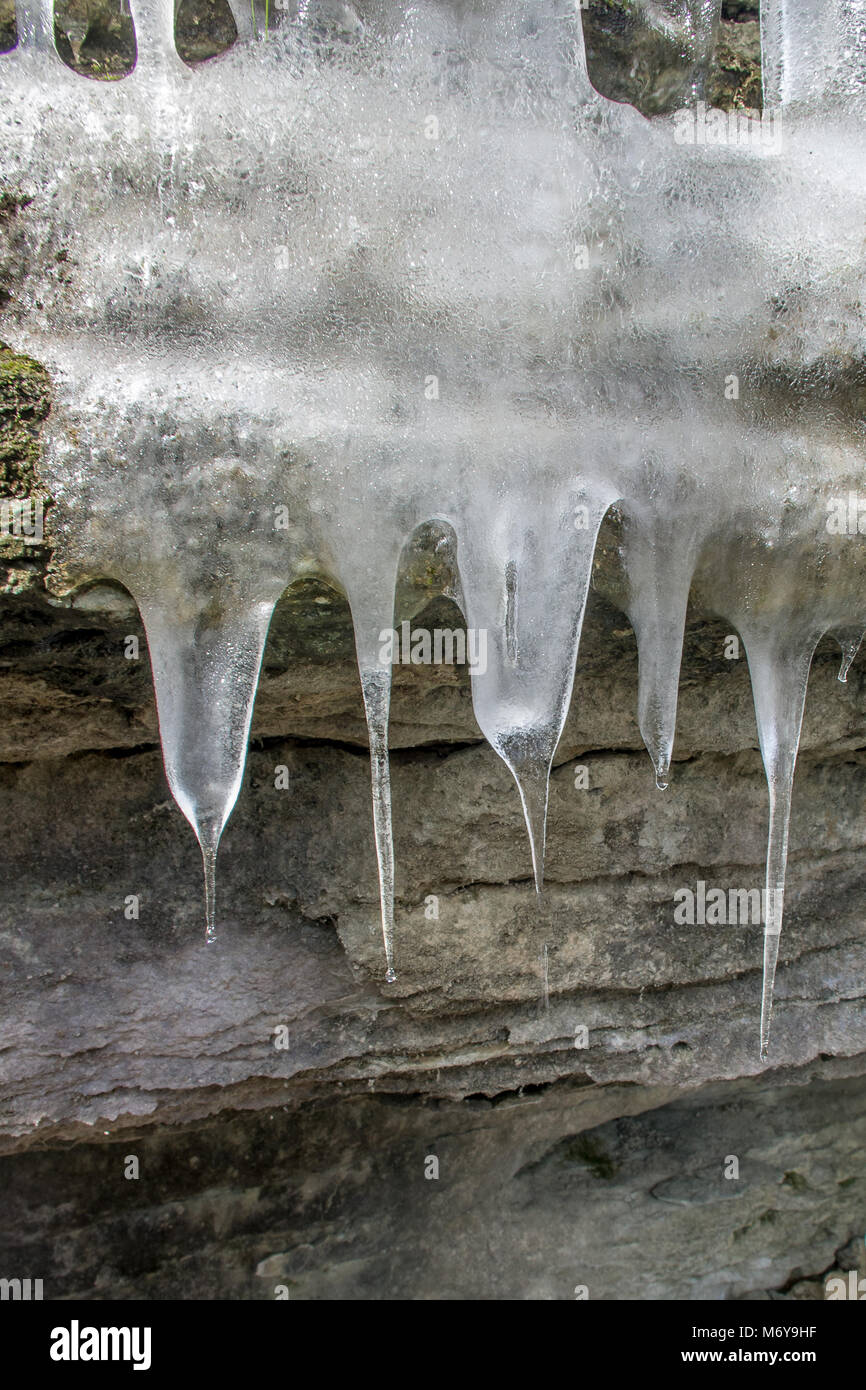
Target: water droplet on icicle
pixel 205 673
pixel 849 640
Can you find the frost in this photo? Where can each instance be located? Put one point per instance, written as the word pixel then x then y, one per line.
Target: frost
pixel 400 264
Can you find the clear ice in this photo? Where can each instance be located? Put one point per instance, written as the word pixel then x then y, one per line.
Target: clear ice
pixel 394 264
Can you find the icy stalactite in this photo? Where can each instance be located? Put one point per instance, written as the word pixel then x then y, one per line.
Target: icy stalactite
pixel 195 527
pixel 660 575
pixel 399 265
pixel 205 666
pixel 664 525
pixel 376 689
pixel 850 640
pixel 368 576
pixel 779 665
pixel 782 595
pixel 525 574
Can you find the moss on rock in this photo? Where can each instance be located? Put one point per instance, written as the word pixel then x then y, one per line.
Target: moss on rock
pixel 25 399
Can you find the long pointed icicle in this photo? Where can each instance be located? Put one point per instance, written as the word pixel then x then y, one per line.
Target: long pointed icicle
pixel 376 688
pixel 368 574
pixel 525 579
pixel 370 584
pixel 660 569
pixel 780 675
pixel 205 673
pixel 529 759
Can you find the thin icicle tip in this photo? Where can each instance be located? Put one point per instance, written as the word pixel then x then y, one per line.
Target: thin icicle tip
pixel 209 862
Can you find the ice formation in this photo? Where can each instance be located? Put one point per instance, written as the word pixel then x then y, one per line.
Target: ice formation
pixel 401 263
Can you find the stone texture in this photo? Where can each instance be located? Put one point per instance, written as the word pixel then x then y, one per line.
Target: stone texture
pixel 618 1189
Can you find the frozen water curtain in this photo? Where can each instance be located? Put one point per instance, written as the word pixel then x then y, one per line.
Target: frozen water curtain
pixel 392 264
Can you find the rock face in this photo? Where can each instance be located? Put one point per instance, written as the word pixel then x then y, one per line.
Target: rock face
pixel 582 1070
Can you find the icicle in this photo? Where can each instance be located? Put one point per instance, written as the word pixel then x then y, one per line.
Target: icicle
pixel 849 639
pixel 779 665
pixel 659 557
pixel 525 576
pixel 376 688
pixel 156 52
pixel 369 577
pixel 813 54
pixel 205 671
pixel 35 23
